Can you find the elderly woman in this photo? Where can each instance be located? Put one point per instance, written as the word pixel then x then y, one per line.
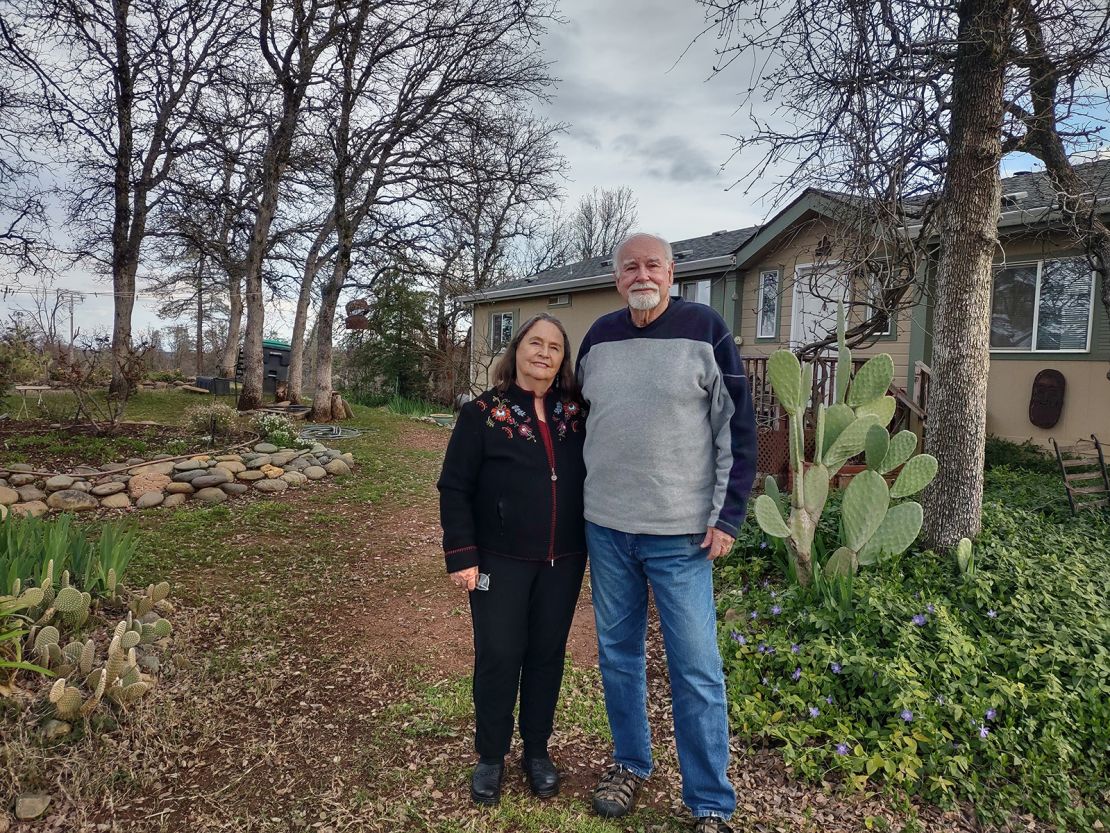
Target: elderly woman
pixel 514 538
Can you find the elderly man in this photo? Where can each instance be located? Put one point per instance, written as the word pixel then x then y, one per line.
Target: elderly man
pixel 670 458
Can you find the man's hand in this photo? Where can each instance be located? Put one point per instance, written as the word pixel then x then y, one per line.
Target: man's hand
pixel 466 579
pixel 718 542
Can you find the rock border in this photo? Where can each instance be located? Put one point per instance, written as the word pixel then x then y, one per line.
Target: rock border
pixel 206 479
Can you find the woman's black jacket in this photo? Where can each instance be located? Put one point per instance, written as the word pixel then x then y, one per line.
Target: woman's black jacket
pixel 506 491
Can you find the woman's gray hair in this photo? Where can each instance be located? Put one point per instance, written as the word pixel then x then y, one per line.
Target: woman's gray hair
pixel 662 242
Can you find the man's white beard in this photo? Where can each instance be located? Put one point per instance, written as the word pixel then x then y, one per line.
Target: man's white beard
pixel 643 300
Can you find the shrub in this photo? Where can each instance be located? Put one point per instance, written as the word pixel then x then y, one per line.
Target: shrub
pixel 1027 455
pixel 199 419
pixel 279 430
pixel 994 688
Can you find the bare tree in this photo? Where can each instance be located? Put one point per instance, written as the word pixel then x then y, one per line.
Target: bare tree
pixel 22 210
pixel 122 80
pixel 602 219
pixel 908 107
pixel 408 79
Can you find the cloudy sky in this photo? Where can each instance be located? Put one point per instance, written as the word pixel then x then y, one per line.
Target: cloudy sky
pixel 644 112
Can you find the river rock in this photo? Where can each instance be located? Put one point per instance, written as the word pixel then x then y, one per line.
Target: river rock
pixel 82 485
pixel 234 488
pixel 118 501
pixel 29 493
pixel 105 489
pixel 164 467
pixel 315 473
pixel 18 480
pixel 272 471
pixel 34 508
pixel 31 805
pixel 211 494
pixel 180 488
pixel 59 482
pixel 271 485
pixel 189 476
pixel 294 478
pixel 230 458
pixel 337 467
pixel 134 461
pixel 175 499
pixel 213 478
pixel 140 484
pixel 233 466
pixel 253 474
pixel 85 471
pixel 282 458
pixel 266 448
pixel 19 467
pixel 72 500
pixel 348 458
pixel 150 499
pixel 257 462
pixel 188 465
pixel 8 496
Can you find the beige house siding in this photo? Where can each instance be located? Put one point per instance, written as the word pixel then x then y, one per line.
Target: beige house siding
pixel 1086 401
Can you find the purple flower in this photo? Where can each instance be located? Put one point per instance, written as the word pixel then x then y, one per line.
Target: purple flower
pixel 814 711
pixel 774 595
pixel 991 714
pixel 940 699
pixel 770 649
pixel 919 619
pixel 992 614
pixel 984 732
pixel 829 699
pixel 795 648
pixel 797 675
pixel 931 608
pixel 738 638
pixel 762 648
pixel 776 610
pixel 835 668
pixel 842 749
pixel 763 545
pixel 907 715
pixel 765 681
pixel 754 614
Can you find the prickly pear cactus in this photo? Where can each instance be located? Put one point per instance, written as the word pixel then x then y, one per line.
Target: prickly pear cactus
pixel 856 423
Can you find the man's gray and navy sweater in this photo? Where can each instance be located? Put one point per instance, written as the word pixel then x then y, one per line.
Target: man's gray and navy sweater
pixel 670 436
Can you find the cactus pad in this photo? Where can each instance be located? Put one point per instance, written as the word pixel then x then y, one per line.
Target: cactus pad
pixel 848 444
pixel 840 563
pixel 882 408
pixel 875 447
pixel 129 640
pixel 918 473
pixel 898 530
pixel 902 446
pixel 68 703
pixel 865 506
pixel 837 418
pixel 963 554
pixel 872 380
pixel 785 373
pixel 46 637
pixel 769 518
pixel 816 485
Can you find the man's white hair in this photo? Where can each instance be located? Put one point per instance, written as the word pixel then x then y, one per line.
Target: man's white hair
pixel 662 242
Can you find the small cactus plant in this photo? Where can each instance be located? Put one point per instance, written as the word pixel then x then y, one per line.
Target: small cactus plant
pixel 873 528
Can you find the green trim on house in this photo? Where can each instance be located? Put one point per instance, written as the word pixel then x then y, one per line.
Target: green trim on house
pixel 808 200
pixel 918 330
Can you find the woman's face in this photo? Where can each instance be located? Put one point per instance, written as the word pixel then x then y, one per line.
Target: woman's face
pixel 538 356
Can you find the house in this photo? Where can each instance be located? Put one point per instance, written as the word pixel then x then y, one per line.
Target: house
pixel 776 286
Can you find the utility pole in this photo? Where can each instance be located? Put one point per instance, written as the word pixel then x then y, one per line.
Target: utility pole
pixel 200 316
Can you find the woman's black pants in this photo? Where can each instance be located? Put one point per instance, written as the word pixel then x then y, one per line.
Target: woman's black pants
pixel 520 638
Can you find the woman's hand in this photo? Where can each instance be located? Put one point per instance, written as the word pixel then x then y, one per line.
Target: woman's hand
pixel 466 579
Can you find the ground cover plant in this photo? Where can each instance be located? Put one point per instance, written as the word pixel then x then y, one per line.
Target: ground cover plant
pixel 989 684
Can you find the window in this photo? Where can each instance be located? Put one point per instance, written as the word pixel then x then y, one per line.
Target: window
pixel 1043 306
pixel 878 305
pixel 559 300
pixel 767 324
pixel 500 330
pixel 697 291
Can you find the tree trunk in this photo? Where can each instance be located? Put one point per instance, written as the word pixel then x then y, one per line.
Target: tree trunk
pixel 124 260
pixel 312 265
pixel 969 237
pixel 325 325
pixel 234 323
pixel 200 319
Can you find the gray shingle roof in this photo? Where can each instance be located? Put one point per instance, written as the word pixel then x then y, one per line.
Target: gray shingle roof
pixel 697 248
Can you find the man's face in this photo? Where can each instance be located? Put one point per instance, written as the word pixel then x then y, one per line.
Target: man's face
pixel 644 275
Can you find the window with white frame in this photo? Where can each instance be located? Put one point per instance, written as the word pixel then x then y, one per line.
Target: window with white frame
pixel 877 302
pixel 697 291
pixel 767 324
pixel 500 330
pixel 1044 306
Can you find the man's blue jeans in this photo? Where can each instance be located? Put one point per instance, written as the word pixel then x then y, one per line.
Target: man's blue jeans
pixel 681 577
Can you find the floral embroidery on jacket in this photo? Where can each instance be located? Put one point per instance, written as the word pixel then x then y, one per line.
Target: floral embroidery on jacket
pixel 567 416
pixel 508 416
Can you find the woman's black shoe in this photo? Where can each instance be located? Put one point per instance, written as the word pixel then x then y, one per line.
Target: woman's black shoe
pixel 485 783
pixel 542 777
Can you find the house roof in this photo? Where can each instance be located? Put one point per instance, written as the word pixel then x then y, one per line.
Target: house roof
pixel 691 255
pixel 1028 197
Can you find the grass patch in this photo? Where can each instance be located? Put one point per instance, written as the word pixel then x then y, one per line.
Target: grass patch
pixel 993 688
